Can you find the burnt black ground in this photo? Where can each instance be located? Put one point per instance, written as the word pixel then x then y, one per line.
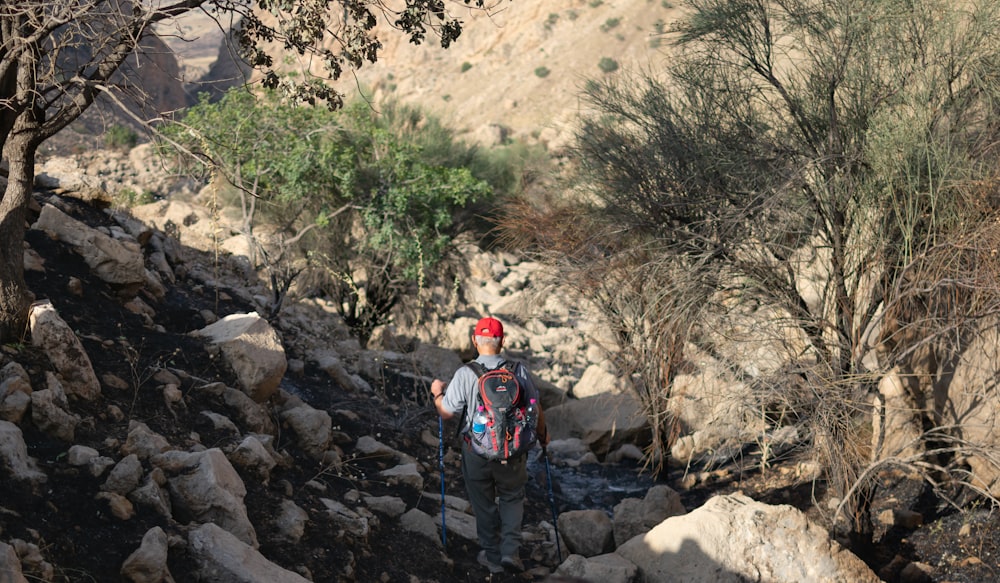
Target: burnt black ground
pixel 78 534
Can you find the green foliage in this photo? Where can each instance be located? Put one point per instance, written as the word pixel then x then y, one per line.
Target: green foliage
pixel 607 64
pixel 120 137
pixel 128 198
pixel 358 189
pixel 610 23
pixel 551 21
pixel 595 3
pixel 466 66
pixel 542 72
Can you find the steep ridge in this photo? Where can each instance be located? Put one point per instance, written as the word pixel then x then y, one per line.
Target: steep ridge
pixel 518 69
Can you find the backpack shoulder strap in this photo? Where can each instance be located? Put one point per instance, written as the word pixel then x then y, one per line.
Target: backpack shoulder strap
pixel 476 367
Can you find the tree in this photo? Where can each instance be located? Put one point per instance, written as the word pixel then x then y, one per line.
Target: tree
pixel 792 181
pixel 366 199
pixel 58 57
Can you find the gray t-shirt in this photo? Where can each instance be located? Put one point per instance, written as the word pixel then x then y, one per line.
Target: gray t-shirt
pixel 462 388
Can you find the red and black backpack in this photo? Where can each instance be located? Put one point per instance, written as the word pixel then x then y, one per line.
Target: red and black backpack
pixel 510 410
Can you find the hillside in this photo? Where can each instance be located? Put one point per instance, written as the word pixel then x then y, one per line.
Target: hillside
pixel 517 71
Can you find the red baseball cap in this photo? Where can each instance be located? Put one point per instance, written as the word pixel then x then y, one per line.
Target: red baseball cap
pixel 489 327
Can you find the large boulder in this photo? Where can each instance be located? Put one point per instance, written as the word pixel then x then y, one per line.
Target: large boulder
pixel 118 262
pixel 54 336
pixel 735 539
pixel 602 422
pixel 204 487
pixel 14 459
pixel 252 348
pixel 951 390
pixel 224 558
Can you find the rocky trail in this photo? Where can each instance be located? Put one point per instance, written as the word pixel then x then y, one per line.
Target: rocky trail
pixel 163 468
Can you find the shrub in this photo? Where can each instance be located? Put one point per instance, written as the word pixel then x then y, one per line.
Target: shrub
pixel 120 138
pixel 608 65
pixel 610 23
pixel 466 66
pixel 542 72
pixel 128 198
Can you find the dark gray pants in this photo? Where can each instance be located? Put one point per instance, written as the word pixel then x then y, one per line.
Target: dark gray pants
pixel 496 492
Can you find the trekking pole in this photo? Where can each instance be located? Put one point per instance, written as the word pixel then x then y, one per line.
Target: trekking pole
pixel 444 529
pixel 552 503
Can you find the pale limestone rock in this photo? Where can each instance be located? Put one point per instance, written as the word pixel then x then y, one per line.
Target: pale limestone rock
pixel 635 516
pixel 148 563
pixel 587 532
pixel 10 565
pixel 252 416
pixel 253 459
pixel 404 474
pixel 119 505
pixel 125 476
pixel 733 538
pixel 119 263
pixel 49 411
pixel 391 506
pixel 14 406
pixel 597 380
pixel 151 494
pixel 603 422
pixel 223 557
pixel 571 451
pixel 370 447
pixel 346 519
pixel 143 441
pixel 332 365
pixel 14 456
pixel 607 568
pixel 220 422
pixel 52 334
pixel 33 261
pixel 291 522
pixel 417 521
pixel 312 428
pixel 460 524
pixel 205 487
pixel 81 455
pixel 33 563
pixel 199 227
pixel 252 348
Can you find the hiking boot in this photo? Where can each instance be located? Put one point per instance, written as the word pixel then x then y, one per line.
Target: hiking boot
pixel 490 565
pixel 512 563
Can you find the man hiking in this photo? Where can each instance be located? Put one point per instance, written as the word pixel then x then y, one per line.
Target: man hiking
pixel 502 419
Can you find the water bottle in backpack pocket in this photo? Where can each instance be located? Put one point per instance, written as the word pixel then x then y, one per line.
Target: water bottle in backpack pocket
pixel 479 421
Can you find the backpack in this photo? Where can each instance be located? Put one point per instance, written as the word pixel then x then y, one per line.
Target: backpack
pixel 508 413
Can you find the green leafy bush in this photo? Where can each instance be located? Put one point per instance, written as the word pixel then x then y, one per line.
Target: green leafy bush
pixel 119 137
pixel 542 72
pixel 607 64
pixel 368 198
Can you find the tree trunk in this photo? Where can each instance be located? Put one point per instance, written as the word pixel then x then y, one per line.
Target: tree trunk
pixel 15 298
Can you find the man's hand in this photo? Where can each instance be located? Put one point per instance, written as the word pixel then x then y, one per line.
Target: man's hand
pixel 437 388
